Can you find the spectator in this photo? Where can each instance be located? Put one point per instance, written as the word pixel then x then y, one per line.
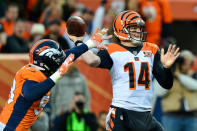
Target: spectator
pixel 194 67
pixel 2 8
pixel 158 19
pixel 54 33
pixel 53 12
pixel 62 94
pixel 11 15
pixel 16 43
pixel 30 7
pixel 178 104
pixel 37 33
pixel 78 119
pixel 42 123
pixel 39 7
pixel 3 37
pixel 69 7
pixel 117 6
pixel 104 17
pixel 132 5
pixel 101 121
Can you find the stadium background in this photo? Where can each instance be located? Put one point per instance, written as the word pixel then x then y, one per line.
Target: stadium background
pixel 184 13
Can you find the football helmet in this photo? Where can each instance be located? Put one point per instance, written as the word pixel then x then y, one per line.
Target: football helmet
pixel 123 27
pixel 47 54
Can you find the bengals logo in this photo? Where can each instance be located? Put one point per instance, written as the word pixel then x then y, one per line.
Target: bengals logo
pixel 136 58
pixel 147 54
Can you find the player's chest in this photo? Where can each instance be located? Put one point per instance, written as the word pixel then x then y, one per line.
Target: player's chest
pixel 137 60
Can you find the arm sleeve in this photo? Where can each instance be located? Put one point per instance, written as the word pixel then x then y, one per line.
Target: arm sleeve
pixel 163 75
pixel 189 82
pixel 106 60
pixel 33 91
pixel 77 51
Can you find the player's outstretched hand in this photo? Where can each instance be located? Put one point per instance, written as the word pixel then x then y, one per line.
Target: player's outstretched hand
pixel 66 64
pixel 97 39
pixel 171 55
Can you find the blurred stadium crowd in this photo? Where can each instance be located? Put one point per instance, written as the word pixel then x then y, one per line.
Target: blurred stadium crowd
pixel 23 22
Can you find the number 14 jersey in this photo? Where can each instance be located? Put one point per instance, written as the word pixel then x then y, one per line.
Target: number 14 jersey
pixel 131 75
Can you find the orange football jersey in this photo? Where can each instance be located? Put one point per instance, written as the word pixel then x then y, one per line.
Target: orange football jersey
pixel 18 113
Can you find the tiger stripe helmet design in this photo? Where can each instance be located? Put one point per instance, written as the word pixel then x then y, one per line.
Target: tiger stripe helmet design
pixel 47 54
pixel 124 21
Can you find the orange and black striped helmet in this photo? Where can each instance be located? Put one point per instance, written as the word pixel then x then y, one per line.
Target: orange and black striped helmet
pixel 124 21
pixel 47 54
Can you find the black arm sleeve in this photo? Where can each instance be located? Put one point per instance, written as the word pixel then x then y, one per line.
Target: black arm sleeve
pixel 33 91
pixel 163 75
pixel 106 60
pixel 77 51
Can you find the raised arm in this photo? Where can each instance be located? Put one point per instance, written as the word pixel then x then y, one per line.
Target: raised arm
pixel 94 42
pixel 33 90
pixel 162 64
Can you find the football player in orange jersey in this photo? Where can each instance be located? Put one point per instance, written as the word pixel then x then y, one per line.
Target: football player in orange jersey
pixel 31 87
pixel 133 63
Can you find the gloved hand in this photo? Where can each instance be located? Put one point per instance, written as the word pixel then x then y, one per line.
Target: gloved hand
pixel 97 38
pixel 63 68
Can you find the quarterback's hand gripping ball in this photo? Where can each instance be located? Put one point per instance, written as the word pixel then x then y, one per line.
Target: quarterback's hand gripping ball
pixel 97 39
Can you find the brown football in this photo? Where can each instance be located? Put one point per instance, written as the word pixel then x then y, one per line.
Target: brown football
pixel 76 26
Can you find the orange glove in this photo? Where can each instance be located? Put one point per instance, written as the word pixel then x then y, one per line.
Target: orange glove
pixel 66 64
pixel 97 39
pixel 63 68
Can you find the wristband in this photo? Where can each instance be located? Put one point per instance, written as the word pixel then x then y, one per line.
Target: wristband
pixel 78 42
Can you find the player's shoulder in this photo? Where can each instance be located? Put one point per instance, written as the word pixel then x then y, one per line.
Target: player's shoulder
pixel 147 46
pixel 151 45
pixel 28 72
pixel 113 47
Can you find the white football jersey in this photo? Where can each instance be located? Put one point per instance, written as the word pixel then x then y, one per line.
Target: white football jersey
pixel 132 77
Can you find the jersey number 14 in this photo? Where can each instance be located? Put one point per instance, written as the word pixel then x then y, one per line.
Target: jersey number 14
pixel 144 76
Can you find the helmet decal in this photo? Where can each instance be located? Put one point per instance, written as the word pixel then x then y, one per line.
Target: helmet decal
pixel 47 54
pixel 41 49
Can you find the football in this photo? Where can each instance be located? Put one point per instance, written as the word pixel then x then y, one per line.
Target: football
pixel 76 26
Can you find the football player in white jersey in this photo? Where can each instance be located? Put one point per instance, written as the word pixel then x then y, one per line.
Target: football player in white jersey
pixel 132 64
